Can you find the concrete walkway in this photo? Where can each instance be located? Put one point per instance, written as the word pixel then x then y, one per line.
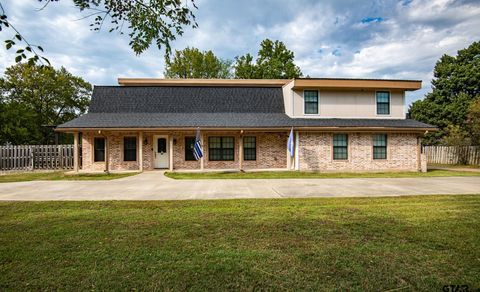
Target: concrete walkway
pixel 155 186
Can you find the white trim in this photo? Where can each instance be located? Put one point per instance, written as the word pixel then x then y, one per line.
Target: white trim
pixel 404 106
pixel 293 103
pixel 297 162
pixel 379 117
pixel 318 103
pixel 389 103
pixel 155 147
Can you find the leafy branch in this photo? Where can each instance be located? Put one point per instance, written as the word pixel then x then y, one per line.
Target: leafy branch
pixel 27 52
pixel 149 21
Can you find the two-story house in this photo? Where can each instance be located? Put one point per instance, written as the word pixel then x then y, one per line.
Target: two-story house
pixel 338 125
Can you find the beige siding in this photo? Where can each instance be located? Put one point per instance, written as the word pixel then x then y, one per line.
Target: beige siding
pixel 348 104
pixel 287 97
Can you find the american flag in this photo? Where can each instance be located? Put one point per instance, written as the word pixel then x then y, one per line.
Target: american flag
pixel 197 147
pixel 290 143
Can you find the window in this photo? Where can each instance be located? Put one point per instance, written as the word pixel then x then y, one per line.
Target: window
pixel 129 148
pixel 340 147
pixel 220 148
pixel 383 103
pixel 249 148
pixel 189 144
pixel 311 101
pixel 98 149
pixel 380 146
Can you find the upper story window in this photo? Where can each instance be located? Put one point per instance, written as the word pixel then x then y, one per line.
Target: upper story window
pixel 383 103
pixel 311 101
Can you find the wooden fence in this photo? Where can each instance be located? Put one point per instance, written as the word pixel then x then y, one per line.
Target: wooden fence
pixel 467 155
pixel 32 157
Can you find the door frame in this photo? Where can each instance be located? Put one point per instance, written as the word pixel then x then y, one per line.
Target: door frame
pixel 155 147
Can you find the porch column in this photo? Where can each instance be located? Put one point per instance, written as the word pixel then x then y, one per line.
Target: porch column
pixel 202 159
pixel 240 152
pixel 107 152
pixel 289 158
pixel 171 153
pixel 140 151
pixel 297 162
pixel 75 151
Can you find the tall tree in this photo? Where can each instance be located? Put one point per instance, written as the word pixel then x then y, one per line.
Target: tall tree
pixel 456 84
pixel 145 22
pixel 473 121
pixel 192 63
pixel 274 61
pixel 35 98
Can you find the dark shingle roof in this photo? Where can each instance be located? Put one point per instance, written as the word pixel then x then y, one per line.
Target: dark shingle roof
pixel 212 107
pixel 175 99
pixel 225 120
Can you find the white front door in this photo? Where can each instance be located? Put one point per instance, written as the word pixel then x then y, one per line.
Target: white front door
pixel 160 152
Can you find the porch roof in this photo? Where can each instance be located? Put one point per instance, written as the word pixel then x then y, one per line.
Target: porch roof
pixel 228 120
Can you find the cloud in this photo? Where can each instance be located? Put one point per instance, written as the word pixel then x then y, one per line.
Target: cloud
pixel 330 38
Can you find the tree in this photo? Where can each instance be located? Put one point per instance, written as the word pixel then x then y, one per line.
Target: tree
pixel 274 61
pixel 35 98
pixel 456 84
pixel 192 63
pixel 473 121
pixel 146 22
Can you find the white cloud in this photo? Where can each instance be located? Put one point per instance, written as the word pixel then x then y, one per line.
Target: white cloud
pixel 405 44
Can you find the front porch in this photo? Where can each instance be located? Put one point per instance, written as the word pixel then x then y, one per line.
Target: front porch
pixel 120 150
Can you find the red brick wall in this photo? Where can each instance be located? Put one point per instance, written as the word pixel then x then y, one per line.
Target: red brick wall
pixel 316 153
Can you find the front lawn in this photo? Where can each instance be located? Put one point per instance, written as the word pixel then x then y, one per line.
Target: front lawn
pixel 359 244
pixel 305 174
pixel 58 175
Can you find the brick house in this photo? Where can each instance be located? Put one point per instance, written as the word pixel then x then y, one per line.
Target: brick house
pixel 338 125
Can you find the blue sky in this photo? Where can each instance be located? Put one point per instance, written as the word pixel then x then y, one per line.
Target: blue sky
pixel 332 38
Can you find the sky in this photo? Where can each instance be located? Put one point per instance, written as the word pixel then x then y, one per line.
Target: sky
pixel 396 39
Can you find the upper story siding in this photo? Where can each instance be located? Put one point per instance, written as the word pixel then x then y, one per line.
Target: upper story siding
pixel 344 104
pixel 353 99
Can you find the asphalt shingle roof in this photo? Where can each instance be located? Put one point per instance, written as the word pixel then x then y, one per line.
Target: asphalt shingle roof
pixel 212 107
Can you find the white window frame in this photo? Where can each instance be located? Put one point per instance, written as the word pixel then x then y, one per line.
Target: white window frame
pixel 389 104
pixel 318 102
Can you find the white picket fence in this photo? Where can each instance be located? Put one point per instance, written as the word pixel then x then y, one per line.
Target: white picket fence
pixel 469 155
pixel 33 157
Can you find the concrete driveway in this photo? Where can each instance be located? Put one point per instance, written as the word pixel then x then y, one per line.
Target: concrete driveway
pixel 155 186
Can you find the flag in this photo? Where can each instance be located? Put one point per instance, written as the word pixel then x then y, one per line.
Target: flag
pixel 290 143
pixel 197 147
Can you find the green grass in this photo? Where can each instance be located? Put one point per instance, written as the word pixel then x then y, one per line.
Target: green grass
pixel 29 176
pixel 358 244
pixel 304 174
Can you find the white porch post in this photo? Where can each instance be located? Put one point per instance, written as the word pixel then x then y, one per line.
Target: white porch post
pixel 297 162
pixel 75 151
pixel 140 151
pixel 240 152
pixel 171 153
pixel 202 159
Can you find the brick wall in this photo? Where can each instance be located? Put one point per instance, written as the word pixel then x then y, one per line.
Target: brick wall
pixel 316 153
pixel 271 151
pixel 115 152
